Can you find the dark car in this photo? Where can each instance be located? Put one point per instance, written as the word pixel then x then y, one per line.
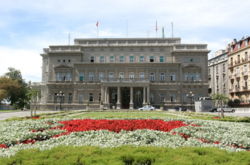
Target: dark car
pixel 180 108
pixel 213 110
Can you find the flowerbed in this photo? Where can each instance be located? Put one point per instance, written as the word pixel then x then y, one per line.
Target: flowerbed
pixel 48 133
pixel 118 125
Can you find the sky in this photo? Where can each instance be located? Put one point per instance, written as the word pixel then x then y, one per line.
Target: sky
pixel 28 26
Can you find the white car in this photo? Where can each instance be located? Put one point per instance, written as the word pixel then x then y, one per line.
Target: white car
pixel 147 108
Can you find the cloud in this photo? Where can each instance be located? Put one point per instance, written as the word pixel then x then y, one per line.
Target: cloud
pixel 28 62
pixel 28 26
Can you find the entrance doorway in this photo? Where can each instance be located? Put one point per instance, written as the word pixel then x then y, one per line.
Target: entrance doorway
pixel 125 97
pixel 138 97
pixel 112 97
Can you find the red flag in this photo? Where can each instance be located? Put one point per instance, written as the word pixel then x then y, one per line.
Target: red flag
pixel 97 24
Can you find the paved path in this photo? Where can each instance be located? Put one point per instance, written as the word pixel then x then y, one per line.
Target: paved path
pixel 239 114
pixel 7 115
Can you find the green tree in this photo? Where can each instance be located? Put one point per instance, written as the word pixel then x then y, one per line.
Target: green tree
pixel 34 97
pixel 7 86
pixel 18 97
pixel 220 100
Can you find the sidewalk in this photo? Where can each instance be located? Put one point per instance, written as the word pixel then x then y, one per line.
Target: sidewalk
pixel 7 115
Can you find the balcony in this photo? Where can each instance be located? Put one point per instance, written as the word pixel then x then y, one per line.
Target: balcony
pixel 125 80
pixel 244 73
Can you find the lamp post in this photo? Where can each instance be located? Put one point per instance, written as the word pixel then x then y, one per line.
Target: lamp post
pixel 60 95
pixel 191 96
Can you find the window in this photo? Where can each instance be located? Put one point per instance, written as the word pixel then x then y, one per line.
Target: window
pixel 112 59
pixel 121 58
pixel 131 75
pixel 173 77
pixel 55 98
pixel 91 98
pixel 162 76
pixel 58 60
pixel 91 76
pixel 152 77
pixel 172 98
pixel 131 58
pixel 99 97
pixel 111 75
pixel 162 98
pixel 162 59
pixel 69 61
pixel 121 75
pixel 92 59
pixel 101 75
pixel 141 58
pixel 70 98
pixel 151 59
pixel 58 76
pixel 246 56
pixel 141 75
pixel 102 59
pixel 81 76
pixel 80 98
pixel 191 60
pixel 63 60
pixel 68 76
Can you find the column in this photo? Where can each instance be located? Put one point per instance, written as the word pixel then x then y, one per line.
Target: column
pixel 107 93
pixel 144 96
pixel 118 104
pixel 102 98
pixel 131 104
pixel 148 94
pixel 75 98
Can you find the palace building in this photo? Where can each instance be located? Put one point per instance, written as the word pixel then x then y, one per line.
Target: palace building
pixel 123 73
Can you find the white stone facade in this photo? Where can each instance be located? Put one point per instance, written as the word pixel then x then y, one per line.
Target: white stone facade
pixel 124 73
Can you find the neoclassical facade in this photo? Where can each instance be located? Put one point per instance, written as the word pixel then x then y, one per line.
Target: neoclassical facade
pixel 123 73
pixel 239 67
pixel 218 73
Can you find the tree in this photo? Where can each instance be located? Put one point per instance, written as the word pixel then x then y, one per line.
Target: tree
pixel 7 87
pixel 220 101
pixel 34 97
pixel 18 97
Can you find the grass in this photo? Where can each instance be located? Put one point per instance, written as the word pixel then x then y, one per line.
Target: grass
pixel 10 110
pixel 124 114
pixel 127 155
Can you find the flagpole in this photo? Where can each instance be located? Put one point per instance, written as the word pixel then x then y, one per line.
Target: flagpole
pixel 68 38
pixel 127 28
pixel 156 29
pixel 172 29
pixel 97 29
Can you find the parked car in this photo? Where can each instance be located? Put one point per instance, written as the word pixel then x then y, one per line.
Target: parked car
pixel 147 108
pixel 180 108
pixel 226 109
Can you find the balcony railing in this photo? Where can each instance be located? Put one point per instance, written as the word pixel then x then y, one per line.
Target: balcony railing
pixel 127 80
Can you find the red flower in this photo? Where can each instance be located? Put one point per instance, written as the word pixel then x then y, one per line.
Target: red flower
pixel 118 125
pixel 3 146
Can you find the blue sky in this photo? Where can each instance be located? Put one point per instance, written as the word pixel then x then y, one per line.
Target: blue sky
pixel 28 26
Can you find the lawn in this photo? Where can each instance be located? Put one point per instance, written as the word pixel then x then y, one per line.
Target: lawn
pixel 129 137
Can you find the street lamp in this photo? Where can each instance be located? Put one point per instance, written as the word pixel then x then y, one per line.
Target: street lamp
pixel 191 96
pixel 60 95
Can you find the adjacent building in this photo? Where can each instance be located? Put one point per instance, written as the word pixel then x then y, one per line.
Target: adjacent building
pixel 123 73
pixel 238 66
pixel 218 73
